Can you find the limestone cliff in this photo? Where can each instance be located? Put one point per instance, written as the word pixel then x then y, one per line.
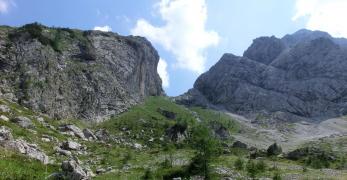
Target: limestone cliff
pixel 69 73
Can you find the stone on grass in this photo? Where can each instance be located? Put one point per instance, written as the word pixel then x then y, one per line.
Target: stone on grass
pixel 23 122
pixel 4 118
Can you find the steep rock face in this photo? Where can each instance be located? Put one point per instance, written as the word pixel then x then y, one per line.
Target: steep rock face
pixel 76 74
pixel 265 49
pixel 306 80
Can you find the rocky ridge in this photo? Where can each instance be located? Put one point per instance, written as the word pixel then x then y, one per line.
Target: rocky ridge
pixel 300 76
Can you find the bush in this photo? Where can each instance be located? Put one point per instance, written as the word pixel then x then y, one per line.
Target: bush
pixel 207 147
pixel 255 168
pixel 274 150
pixel 239 164
pixel 128 156
pixel 317 162
pixel 277 176
pixel 148 175
pixel 251 168
pixel 261 166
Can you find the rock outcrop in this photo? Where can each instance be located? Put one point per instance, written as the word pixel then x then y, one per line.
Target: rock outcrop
pixel 23 122
pixel 31 150
pixel 69 73
pixel 302 76
pixel 72 170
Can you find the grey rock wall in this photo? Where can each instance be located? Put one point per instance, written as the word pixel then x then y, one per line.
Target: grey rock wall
pixel 76 74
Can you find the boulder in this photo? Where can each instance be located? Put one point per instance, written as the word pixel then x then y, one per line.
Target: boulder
pixel 4 108
pixel 255 153
pixel 177 132
pixel 100 171
pixel 166 113
pixel 89 134
pixel 71 145
pixel 5 134
pixel 62 151
pixel 31 150
pixel 70 128
pixel 239 144
pixel 73 171
pixel 28 149
pixel 102 135
pixel 4 118
pixel 219 130
pixel 137 146
pixel 23 122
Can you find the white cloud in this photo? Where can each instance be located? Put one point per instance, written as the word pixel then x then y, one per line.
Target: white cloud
pixel 184 33
pixel 103 28
pixel 5 5
pixel 162 71
pixel 325 15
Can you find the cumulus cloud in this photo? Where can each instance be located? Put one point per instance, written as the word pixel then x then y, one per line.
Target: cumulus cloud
pixel 325 15
pixel 103 28
pixel 162 71
pixel 184 33
pixel 5 5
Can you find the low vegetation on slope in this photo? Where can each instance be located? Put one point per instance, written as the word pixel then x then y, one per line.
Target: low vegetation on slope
pixel 155 140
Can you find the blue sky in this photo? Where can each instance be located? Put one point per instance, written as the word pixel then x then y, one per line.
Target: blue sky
pixel 190 35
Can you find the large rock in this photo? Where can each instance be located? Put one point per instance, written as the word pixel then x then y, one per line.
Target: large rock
pixel 73 171
pixel 239 144
pixel 177 133
pixel 5 134
pixel 89 134
pixel 62 151
pixel 301 76
pixel 219 130
pixel 31 150
pixel 4 108
pixel 166 113
pixel 25 148
pixel 72 129
pixel 4 118
pixel 102 135
pixel 76 74
pixel 23 122
pixel 71 145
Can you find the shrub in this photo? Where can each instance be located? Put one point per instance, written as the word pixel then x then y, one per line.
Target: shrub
pixel 274 150
pixel 251 168
pixel 239 164
pixel 277 176
pixel 166 163
pixel 261 166
pixel 207 147
pixel 127 157
pixel 148 175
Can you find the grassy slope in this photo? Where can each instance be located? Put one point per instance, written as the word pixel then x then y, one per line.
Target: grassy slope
pixel 140 124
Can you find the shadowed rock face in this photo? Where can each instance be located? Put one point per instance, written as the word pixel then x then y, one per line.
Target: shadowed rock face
pixel 308 79
pixel 76 74
pixel 265 49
